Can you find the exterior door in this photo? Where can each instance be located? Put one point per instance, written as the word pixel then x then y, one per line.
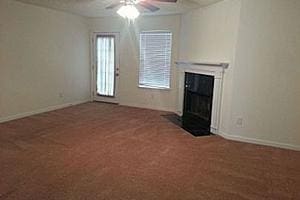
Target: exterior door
pixel 106 67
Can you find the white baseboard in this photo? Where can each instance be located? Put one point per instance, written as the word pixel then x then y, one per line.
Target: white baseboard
pixel 259 141
pixel 159 108
pixel 178 113
pixel 42 110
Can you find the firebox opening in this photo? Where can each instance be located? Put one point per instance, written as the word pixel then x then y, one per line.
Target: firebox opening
pixel 198 98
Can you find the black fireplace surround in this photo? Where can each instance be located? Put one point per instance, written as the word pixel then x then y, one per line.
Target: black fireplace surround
pixel 197 109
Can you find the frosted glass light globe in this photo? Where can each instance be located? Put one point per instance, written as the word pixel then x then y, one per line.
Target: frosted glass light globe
pixel 128 11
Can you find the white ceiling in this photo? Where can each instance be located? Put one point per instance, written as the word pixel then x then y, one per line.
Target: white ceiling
pixel 96 8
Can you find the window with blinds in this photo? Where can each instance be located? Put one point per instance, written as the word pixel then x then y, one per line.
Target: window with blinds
pixel 155 59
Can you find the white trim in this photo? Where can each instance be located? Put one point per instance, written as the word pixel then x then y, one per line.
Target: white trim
pixel 224 65
pixel 259 141
pixel 42 110
pixel 92 65
pixel 137 105
pixel 153 87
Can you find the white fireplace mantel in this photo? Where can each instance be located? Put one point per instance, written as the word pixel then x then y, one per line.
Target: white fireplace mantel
pixel 215 69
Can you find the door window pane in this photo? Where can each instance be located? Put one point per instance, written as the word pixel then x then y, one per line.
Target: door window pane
pixel 106 65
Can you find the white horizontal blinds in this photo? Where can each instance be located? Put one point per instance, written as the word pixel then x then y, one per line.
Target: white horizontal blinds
pixel 155 59
pixel 105 65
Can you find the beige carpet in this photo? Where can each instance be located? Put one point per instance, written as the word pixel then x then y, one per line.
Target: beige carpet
pixel 103 151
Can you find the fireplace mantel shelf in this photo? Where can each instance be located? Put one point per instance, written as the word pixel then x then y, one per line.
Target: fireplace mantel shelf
pixel 213 64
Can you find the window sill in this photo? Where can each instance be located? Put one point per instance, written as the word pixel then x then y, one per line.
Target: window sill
pixel 153 87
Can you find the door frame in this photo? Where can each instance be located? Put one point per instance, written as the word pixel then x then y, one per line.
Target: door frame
pixel 94 95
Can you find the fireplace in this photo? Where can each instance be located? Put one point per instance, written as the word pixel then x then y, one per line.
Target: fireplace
pixel 198 99
pixel 200 94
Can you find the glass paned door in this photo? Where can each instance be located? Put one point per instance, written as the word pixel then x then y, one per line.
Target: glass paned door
pixel 106 68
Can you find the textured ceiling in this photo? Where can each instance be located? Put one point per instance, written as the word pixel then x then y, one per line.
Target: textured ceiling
pixel 96 8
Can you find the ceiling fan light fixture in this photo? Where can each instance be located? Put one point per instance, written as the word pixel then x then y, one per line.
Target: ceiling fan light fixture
pixel 128 11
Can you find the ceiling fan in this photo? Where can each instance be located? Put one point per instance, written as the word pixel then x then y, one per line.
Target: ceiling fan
pixel 128 9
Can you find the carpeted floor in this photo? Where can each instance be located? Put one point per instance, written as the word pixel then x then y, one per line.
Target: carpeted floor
pixel 103 151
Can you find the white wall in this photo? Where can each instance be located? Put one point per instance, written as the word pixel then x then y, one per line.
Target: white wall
pixel 266 81
pixel 261 39
pixel 42 53
pixel 129 92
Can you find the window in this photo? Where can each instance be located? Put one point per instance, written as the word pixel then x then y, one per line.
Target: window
pixel 155 59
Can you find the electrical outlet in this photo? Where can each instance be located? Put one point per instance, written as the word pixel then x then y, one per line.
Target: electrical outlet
pixel 239 122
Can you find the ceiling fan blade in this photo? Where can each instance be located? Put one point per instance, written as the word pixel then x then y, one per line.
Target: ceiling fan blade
pixel 148 6
pixel 113 5
pixel 168 1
